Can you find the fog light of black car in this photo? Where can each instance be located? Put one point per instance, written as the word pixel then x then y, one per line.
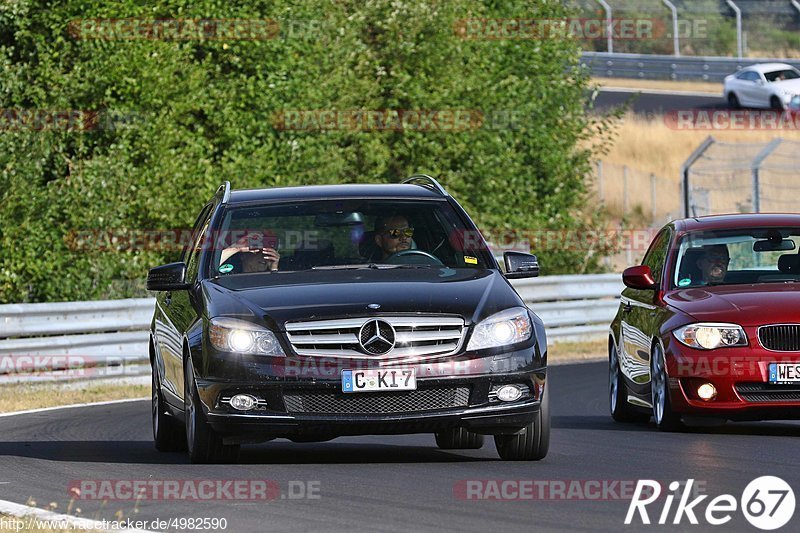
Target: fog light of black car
pixel 707 392
pixel 243 402
pixel 509 393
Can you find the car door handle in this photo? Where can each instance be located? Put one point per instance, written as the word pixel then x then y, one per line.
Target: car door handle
pixel 627 307
pixel 167 298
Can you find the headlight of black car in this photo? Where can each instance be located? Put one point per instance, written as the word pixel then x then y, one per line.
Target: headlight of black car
pixel 234 335
pixel 501 329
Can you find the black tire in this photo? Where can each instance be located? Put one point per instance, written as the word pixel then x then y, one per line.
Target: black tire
pixel 203 443
pixel 665 418
pixel 532 443
pixel 168 433
pixel 621 410
pixel 733 101
pixel 776 104
pixel 459 439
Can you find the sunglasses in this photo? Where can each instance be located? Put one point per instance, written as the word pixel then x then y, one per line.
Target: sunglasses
pixel 397 232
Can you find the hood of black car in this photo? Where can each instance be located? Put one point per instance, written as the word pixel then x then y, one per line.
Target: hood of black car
pixel 280 297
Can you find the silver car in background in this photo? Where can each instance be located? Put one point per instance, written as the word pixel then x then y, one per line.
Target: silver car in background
pixel 768 86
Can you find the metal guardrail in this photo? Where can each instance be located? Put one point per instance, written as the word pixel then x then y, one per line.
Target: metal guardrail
pixel 62 337
pixel 660 67
pixel 573 308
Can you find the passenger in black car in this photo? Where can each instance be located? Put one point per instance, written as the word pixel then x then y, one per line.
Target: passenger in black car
pixel 243 258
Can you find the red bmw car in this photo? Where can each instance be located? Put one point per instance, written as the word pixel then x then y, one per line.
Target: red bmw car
pixel 708 328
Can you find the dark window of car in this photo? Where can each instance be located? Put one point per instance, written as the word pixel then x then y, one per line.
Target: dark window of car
pixel 333 233
pixel 745 256
pixel 781 75
pixel 656 255
pixel 188 247
pixel 742 75
pixel 198 234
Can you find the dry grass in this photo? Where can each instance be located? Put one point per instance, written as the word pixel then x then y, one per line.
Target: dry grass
pixel 649 146
pixel 664 85
pixel 563 352
pixel 22 396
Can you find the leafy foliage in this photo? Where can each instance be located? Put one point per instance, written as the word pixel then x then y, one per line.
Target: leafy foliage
pixel 177 117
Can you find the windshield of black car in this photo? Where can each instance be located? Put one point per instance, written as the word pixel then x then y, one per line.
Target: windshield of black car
pixel 782 75
pixel 346 234
pixel 734 257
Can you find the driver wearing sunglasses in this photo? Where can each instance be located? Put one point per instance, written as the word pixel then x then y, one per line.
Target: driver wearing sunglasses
pixel 393 235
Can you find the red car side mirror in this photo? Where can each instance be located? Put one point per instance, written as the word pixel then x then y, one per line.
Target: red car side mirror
pixel 639 277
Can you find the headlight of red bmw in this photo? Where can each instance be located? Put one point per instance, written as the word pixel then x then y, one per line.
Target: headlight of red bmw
pixel 708 336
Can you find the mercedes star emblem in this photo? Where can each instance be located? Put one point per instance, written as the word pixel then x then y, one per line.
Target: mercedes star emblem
pixel 377 337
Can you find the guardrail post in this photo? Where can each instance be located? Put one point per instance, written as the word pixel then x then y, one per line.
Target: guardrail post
pixel 600 186
pixel 624 190
pixel 653 195
pixel 757 161
pixel 676 42
pixel 609 25
pixel 738 27
pixel 686 169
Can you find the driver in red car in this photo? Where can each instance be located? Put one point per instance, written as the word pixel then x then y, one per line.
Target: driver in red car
pixel 714 264
pixel 392 235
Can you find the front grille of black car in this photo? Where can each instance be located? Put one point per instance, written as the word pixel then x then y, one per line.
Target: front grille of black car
pixel 376 402
pixel 780 338
pixel 414 335
pixel 763 392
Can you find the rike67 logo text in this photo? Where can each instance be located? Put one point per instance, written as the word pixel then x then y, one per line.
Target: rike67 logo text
pixel 767 503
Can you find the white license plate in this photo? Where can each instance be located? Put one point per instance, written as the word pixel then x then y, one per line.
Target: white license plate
pixel 375 380
pixel 784 373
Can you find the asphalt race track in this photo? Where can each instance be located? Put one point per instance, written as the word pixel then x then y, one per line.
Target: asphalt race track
pixel 399 483
pixel 647 103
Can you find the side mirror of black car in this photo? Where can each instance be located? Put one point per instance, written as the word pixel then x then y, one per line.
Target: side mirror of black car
pixel 520 265
pixel 171 277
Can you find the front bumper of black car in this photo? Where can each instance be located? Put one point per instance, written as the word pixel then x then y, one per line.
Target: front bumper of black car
pixel 309 405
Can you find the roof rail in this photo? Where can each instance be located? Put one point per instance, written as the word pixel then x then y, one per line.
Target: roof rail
pixel 423 180
pixel 225 190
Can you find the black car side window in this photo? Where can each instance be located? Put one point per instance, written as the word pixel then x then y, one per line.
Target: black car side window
pixel 198 223
pixel 656 256
pixel 193 260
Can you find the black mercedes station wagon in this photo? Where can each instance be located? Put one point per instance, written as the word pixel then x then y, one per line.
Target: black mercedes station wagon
pixel 310 313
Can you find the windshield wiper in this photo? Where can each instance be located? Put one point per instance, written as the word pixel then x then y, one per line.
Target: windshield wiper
pixel 344 267
pixel 371 266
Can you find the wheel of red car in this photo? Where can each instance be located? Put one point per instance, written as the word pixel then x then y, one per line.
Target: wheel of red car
pixel 621 410
pixel 665 418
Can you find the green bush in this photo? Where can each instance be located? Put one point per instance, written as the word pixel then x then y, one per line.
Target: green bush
pixel 179 117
